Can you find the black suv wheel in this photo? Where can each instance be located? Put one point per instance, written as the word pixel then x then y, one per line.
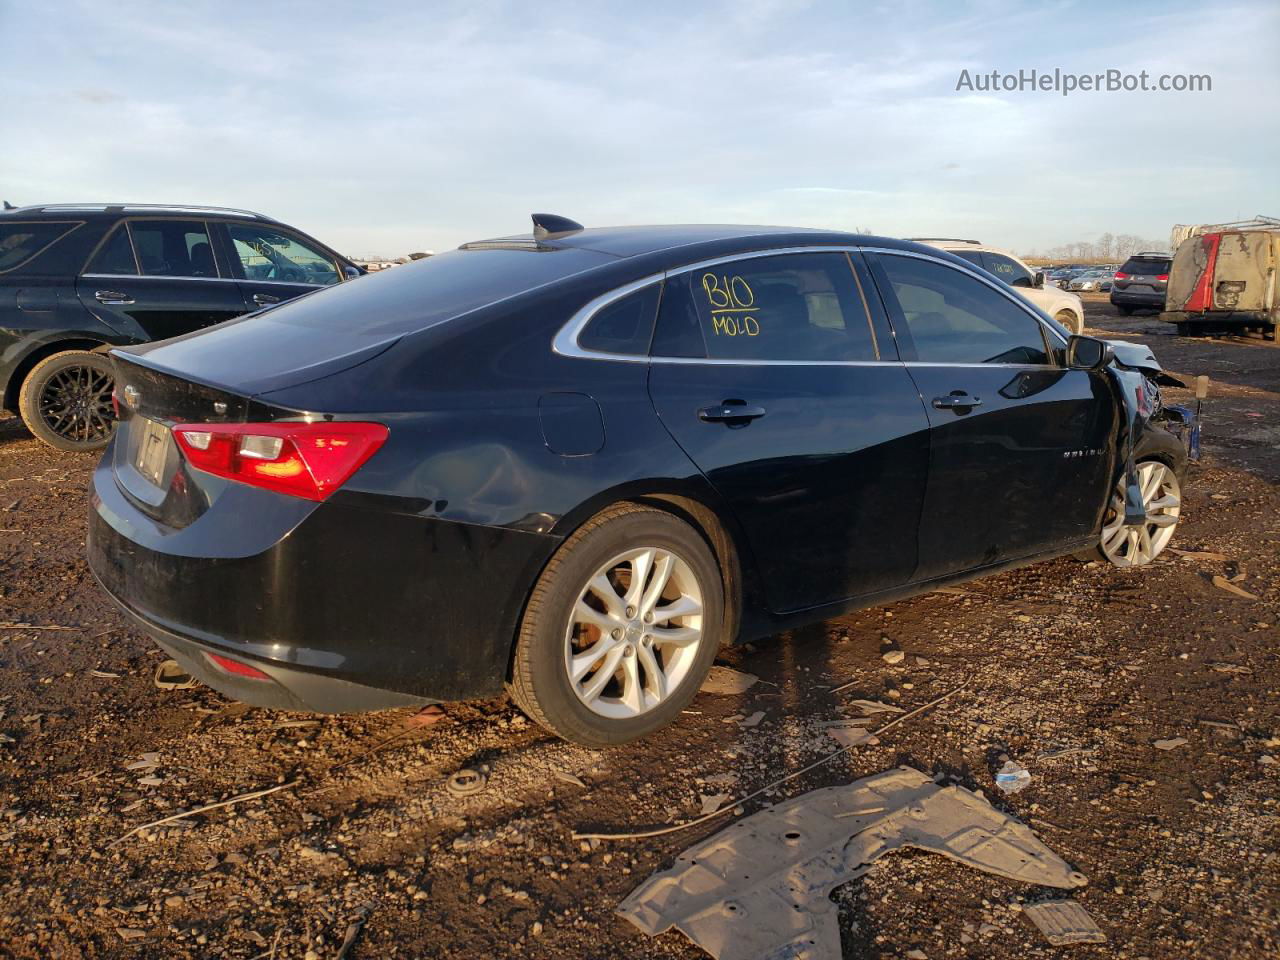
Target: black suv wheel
pixel 66 401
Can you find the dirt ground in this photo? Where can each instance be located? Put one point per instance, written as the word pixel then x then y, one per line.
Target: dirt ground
pixel 1073 669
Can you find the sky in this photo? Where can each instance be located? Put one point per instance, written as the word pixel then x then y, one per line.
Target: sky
pixel 386 128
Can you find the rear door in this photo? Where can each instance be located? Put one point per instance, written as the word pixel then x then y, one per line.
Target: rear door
pixel 156 278
pixel 1020 446
pixel 273 264
pixel 771 374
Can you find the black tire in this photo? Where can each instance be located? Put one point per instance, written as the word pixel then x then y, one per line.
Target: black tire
pixel 1124 311
pixel 1069 320
pixel 65 401
pixel 540 684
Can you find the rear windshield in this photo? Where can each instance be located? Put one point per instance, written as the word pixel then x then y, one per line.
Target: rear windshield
pixel 19 242
pixel 1144 266
pixel 409 298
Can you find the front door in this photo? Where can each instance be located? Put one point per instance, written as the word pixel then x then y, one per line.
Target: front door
pixel 768 372
pixel 1020 447
pixel 275 265
pixel 153 279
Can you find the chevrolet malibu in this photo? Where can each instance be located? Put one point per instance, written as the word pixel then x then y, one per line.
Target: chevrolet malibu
pixel 573 464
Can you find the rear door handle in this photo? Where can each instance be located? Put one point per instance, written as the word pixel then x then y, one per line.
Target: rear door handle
pixel 262 299
pixel 956 400
pixel 730 411
pixel 112 296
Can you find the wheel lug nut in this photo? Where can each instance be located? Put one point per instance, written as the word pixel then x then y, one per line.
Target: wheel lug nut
pixel 631 611
pixel 617 633
pixel 630 651
pixel 648 618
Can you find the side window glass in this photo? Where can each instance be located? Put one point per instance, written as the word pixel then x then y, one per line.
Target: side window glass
pixel 115 256
pixel 173 248
pixel 1008 270
pixel 679 333
pixel 790 307
pixel 20 242
pixel 267 253
pixel 952 317
pixel 624 326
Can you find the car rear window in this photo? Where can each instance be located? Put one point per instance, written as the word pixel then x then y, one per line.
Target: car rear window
pixel 19 242
pixel 418 295
pixel 1146 266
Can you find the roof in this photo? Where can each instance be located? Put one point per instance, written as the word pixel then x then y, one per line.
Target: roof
pixel 144 209
pixel 691 240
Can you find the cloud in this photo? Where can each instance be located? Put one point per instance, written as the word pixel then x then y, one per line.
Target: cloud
pixel 405 127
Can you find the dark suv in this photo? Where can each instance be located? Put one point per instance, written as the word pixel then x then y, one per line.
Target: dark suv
pixel 78 279
pixel 1141 282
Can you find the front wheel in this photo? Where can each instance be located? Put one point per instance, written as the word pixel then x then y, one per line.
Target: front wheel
pixel 1137 546
pixel 1070 321
pixel 66 401
pixel 621 628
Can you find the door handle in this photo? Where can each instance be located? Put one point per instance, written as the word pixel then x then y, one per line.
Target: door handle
pixel 112 297
pixel 956 400
pixel 262 299
pixel 730 411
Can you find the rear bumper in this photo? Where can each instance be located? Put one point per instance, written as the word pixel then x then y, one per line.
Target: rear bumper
pixel 359 603
pixel 1131 299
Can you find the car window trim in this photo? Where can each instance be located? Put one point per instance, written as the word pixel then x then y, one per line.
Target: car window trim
pixel 137 263
pixel 76 225
pixel 305 241
pixel 565 342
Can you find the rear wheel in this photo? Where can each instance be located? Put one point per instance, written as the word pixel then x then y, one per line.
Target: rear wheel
pixel 1070 321
pixel 66 401
pixel 1137 546
pixel 621 628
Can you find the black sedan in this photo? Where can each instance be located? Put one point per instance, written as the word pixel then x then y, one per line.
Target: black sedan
pixel 575 463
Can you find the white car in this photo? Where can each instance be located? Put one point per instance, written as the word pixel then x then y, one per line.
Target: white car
pixel 1064 307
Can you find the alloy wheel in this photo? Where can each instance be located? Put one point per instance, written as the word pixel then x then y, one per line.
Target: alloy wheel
pixel 634 633
pixel 76 404
pixel 1162 497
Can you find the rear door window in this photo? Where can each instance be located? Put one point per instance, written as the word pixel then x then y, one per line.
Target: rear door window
pixel 115 257
pixel 796 307
pixel 268 253
pixel 1007 269
pixel 952 317
pixel 173 248
pixel 19 242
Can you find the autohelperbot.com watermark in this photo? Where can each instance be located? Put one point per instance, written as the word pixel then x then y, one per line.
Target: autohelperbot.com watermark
pixel 1066 83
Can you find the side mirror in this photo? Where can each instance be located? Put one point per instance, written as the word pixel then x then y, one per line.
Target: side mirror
pixel 1087 353
pixel 352 271
pixel 1039 281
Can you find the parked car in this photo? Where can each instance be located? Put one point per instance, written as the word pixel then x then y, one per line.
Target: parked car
pixel 1064 307
pixel 575 463
pixel 1090 280
pixel 1223 281
pixel 1142 281
pixel 78 279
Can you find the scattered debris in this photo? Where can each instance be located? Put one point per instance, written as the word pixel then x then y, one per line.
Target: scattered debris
pixel 1197 554
pixel 728 682
pixel 205 809
pixel 1222 583
pixel 466 782
pixel 893 656
pixel 38 626
pixel 1230 668
pixel 1064 922
pixel 104 674
pixel 1171 743
pixel 711 802
pixel 353 929
pixel 752 720
pixel 428 715
pixel 170 676
pixel 1059 752
pixel 760 887
pixel 874 706
pixel 130 933
pixel 851 733
pixel 1012 777
pixel 566 777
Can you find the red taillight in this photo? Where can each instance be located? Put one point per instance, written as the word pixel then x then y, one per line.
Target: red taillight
pixel 1120 275
pixel 236 667
pixel 115 403
pixel 308 460
pixel 1162 276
